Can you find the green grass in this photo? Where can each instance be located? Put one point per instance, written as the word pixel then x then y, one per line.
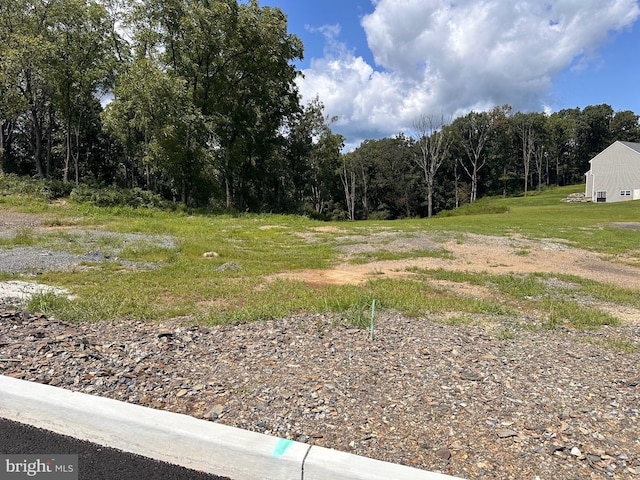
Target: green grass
pixel 582 225
pixel 387 255
pixel 567 313
pixel 184 283
pixel 23 237
pixel 553 304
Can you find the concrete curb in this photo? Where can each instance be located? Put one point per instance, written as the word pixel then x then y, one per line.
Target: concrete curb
pixel 186 441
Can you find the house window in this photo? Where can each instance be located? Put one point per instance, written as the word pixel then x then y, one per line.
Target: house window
pixel 601 197
pixel 625 193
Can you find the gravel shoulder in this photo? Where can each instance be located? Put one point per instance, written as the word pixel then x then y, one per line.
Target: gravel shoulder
pixel 452 398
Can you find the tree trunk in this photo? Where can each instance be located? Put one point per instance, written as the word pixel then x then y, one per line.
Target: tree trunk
pixel 227 185
pixel 37 142
pixel 3 143
pixel 67 147
pixel 430 198
pixel 474 184
pixel 76 154
pixel 349 183
pixel 49 142
pixel 365 193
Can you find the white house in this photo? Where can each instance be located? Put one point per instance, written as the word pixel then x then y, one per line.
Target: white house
pixel 615 173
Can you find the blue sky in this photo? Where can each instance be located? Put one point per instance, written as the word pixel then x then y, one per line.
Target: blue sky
pixel 379 64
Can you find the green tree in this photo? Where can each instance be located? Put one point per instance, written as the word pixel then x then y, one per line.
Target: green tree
pixel 502 151
pixel 25 54
pixel 153 117
pixel 561 143
pixel 235 62
pixel 387 178
pixel 82 63
pixel 593 132
pixel 625 127
pixel 313 157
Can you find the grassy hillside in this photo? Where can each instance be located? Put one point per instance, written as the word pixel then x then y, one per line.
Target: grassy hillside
pixel 252 248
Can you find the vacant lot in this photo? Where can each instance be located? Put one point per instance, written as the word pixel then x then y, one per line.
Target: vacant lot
pixel 493 355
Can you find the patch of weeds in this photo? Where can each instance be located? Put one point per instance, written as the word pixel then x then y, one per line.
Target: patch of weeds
pixel 57 222
pixel 243 301
pixel 452 275
pixel 97 308
pixel 484 206
pixel 23 237
pixel 608 293
pixel 359 314
pixel 520 286
pixel 351 302
pixel 416 299
pixel 147 252
pixel 49 304
pixel 572 314
pixel 505 334
pixel 458 320
pixel 522 252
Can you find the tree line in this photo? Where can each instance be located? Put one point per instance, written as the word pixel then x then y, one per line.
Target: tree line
pixel 196 101
pixel 442 164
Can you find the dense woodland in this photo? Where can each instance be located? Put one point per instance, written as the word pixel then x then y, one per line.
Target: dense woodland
pixel 202 108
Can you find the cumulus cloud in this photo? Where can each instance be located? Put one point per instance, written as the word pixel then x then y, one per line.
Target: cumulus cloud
pixel 436 56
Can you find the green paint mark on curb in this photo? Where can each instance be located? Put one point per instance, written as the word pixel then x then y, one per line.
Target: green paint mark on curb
pixel 281 447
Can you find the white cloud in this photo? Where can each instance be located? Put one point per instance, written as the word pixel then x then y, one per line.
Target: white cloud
pixel 450 57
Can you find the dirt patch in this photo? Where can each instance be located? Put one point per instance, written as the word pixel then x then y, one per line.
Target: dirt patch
pixel 272 227
pixel 327 229
pixel 478 253
pixel 626 225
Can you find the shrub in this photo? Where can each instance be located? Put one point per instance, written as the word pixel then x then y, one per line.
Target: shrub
pixel 114 197
pixel 481 207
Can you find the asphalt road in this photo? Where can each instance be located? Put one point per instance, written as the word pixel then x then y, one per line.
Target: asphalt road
pixel 96 462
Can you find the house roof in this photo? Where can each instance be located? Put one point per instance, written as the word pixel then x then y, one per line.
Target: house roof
pixel 632 145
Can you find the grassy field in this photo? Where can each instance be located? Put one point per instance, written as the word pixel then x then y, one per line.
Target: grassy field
pixel 187 284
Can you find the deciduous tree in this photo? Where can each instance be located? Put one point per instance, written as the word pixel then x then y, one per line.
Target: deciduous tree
pixel 433 140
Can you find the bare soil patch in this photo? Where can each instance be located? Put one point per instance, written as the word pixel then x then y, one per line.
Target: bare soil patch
pixel 627 225
pixel 478 253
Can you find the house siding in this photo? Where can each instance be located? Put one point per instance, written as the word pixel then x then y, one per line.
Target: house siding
pixel 616 169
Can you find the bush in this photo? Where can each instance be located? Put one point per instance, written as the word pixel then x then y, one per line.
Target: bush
pixel 54 189
pixel 11 184
pixel 114 197
pixel 483 206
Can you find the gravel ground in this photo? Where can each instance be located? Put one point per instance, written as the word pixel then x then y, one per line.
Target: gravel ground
pixel 464 400
pixel 95 245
